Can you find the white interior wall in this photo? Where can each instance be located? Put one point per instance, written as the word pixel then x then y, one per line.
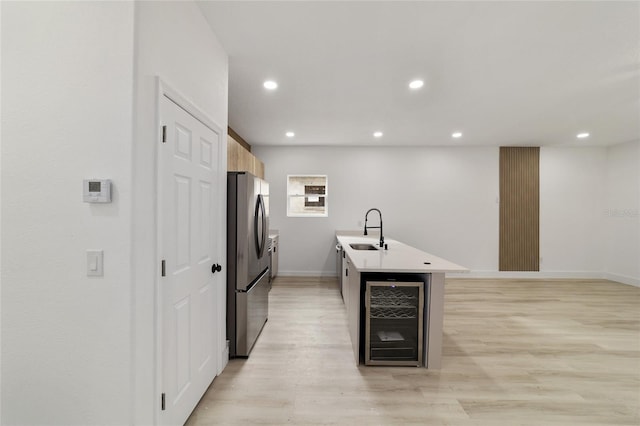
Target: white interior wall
pixel 1 275
pixel 622 213
pixel 572 190
pixel 67 76
pixel 78 79
pixel 441 200
pixel 175 43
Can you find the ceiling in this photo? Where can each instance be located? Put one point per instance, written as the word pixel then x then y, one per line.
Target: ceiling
pixel 502 73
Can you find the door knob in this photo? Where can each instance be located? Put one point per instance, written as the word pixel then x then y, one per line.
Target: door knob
pixel 216 268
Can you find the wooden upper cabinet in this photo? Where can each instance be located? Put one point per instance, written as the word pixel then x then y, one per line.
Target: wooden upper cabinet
pixel 258 167
pixel 245 159
pixel 232 154
pixel 241 160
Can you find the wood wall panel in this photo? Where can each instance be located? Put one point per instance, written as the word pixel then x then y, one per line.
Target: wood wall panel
pixel 519 209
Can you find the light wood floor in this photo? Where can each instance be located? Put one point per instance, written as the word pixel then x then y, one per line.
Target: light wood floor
pixel 516 352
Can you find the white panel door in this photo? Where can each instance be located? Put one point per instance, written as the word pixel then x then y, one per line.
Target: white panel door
pixel 188 234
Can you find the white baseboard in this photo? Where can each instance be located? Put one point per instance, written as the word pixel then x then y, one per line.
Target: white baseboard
pixel 530 275
pixel 541 275
pixel 593 275
pixel 622 279
pixel 225 357
pixel 323 274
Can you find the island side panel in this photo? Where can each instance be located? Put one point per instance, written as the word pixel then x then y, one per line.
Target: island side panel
pixel 353 308
pixel 436 318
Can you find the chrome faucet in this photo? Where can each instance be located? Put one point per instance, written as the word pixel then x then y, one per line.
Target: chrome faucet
pixel 373 227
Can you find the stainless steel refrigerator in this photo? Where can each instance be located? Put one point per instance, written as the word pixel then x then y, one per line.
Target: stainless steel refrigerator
pixel 248 260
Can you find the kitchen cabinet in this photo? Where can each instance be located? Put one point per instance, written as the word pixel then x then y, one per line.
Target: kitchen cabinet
pixel 400 263
pixel 240 159
pixel 257 166
pixel 344 280
pixel 352 302
pixel 274 254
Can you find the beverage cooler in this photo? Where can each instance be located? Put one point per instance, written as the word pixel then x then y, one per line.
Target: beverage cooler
pixel 394 323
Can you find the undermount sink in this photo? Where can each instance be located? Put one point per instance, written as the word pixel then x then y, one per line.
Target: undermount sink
pixel 363 246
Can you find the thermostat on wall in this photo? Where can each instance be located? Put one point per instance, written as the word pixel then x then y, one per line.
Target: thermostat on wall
pixel 97 191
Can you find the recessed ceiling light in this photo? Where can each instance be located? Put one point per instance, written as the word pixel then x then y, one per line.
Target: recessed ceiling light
pixel 456 135
pixel 416 84
pixel 270 84
pixel 377 134
pixel 290 134
pixel 582 135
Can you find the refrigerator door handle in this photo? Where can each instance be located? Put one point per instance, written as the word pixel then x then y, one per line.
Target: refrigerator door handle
pixel 265 229
pixel 260 215
pixel 253 284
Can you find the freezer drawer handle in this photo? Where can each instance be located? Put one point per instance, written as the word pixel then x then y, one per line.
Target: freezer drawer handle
pixel 216 268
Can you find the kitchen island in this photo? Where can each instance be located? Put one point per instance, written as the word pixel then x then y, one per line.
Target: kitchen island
pixel 365 263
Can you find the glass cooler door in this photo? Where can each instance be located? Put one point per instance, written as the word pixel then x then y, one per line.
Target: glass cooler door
pixel 394 323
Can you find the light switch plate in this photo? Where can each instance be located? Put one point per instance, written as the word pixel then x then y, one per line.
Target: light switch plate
pixel 95 263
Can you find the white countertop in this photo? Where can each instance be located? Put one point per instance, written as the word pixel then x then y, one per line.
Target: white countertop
pixel 398 258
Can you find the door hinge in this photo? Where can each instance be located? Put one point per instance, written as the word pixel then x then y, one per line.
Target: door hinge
pixel 162 398
pixel 163 268
pixel 346 272
pixel 164 134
